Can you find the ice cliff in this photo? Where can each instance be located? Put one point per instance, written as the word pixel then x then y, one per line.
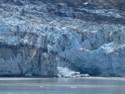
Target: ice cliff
pixel 39 37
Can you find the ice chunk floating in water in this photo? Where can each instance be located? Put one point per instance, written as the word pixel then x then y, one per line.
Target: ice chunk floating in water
pixel 67 73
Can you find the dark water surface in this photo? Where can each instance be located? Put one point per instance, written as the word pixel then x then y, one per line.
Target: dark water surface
pixel 62 86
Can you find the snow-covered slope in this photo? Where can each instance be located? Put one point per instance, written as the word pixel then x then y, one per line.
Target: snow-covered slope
pixel 37 38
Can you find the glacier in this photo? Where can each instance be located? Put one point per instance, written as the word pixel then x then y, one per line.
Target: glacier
pixel 59 39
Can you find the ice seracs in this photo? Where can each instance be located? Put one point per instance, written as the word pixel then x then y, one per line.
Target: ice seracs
pixel 50 39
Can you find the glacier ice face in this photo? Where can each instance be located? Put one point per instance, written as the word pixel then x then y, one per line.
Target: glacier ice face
pixel 46 39
pixel 26 61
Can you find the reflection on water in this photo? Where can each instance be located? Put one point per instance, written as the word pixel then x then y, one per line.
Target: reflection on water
pixel 62 86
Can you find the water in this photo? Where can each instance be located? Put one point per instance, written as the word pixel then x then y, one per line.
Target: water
pixel 62 86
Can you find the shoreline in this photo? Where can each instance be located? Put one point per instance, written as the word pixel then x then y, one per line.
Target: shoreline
pixel 84 78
